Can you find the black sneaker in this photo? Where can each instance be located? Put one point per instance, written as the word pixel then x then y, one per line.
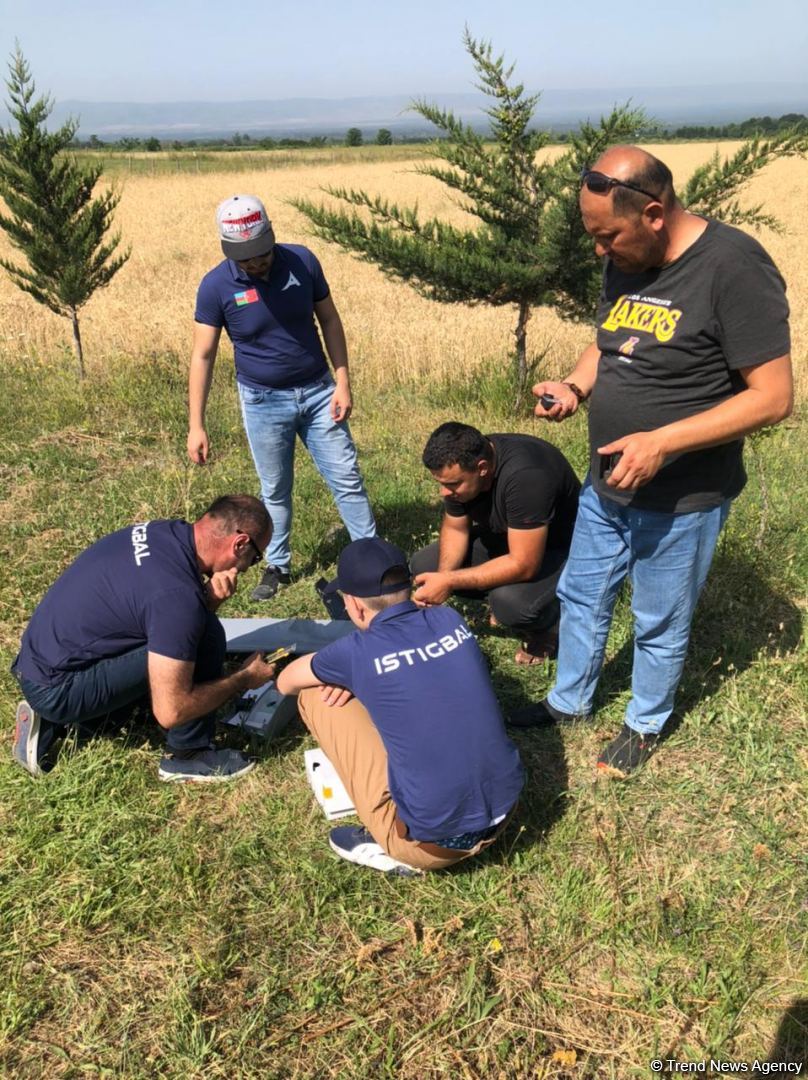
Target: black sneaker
pixel 626 753
pixel 270 583
pixel 542 714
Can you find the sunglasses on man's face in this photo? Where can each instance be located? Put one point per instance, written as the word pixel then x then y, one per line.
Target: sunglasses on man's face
pixel 258 556
pixel 601 184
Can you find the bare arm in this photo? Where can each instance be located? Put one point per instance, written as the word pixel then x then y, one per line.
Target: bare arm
pixel 583 375
pixel 299 676
pixel 453 543
pixel 203 357
pixel 524 558
pixel 337 349
pixel 767 399
pixel 176 699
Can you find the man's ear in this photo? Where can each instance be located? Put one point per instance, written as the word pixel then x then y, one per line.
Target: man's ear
pixel 484 467
pixel 355 608
pixel 654 214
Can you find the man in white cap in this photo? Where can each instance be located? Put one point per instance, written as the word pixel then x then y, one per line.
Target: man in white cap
pixel 266 296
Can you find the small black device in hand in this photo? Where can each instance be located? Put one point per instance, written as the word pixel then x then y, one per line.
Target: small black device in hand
pixel 334 603
pixel 607 463
pixel 547 401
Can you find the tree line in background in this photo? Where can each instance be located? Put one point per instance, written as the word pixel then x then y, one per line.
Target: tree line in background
pixel 647 132
pixel 241 141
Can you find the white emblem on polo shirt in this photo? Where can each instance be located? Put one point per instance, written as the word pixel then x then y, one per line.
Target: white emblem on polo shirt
pixel 433 651
pixel 292 281
pixel 140 545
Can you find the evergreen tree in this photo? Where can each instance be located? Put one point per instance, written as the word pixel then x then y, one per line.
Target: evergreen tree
pixel 529 247
pixel 52 217
pixel 384 137
pixel 353 137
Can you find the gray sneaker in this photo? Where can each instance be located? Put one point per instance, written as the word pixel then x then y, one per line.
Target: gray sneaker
pixel 270 583
pixel 25 750
pixel 205 767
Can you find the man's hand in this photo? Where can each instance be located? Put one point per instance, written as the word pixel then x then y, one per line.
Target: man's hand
pixel 643 457
pixel 341 402
pixel 256 671
pixel 335 696
pixel 220 587
pixel 567 401
pixel 198 445
pixel 432 589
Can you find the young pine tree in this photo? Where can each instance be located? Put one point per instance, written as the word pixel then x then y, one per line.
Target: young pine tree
pixel 525 245
pixel 53 219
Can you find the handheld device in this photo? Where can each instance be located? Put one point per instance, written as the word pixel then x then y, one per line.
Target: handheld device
pixel 547 401
pixel 334 604
pixel 278 654
pixel 607 462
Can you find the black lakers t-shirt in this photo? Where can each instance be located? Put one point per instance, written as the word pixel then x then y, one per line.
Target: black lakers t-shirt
pixel 534 485
pixel 672 340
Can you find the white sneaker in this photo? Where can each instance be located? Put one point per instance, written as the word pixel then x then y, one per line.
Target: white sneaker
pixel 25 750
pixel 355 844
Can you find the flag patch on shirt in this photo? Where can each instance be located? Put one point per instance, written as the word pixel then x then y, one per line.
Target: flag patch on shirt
pixel 249 296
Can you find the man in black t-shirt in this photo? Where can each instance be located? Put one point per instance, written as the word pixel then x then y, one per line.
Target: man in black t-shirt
pixel 692 353
pixel 510 503
pixel 134 615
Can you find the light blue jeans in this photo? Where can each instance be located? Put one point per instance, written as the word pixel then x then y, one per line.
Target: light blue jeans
pixel 272 420
pixel 667 557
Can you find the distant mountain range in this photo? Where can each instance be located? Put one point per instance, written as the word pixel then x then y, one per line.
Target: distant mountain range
pixel 305 117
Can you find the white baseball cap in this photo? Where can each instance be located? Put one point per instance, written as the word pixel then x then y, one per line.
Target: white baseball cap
pixel 244 228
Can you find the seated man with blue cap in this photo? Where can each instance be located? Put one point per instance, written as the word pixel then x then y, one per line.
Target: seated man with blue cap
pixel 405 711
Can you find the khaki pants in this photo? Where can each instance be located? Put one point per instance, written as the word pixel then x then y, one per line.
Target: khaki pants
pixel 352 744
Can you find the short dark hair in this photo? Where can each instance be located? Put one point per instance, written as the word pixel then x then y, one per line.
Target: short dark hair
pixel 396 575
pixel 456 444
pixel 233 513
pixel 654 176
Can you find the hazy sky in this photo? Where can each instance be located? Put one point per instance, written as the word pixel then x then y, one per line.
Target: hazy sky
pixel 170 50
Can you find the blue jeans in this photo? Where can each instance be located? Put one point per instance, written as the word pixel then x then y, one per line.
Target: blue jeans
pixel 667 557
pixel 84 699
pixel 272 420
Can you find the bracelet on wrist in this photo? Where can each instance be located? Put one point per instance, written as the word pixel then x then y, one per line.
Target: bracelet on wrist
pixel 576 390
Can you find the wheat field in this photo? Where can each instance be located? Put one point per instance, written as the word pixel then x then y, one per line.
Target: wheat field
pixel 393 334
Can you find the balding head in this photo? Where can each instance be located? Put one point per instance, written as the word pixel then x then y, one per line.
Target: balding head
pixel 643 171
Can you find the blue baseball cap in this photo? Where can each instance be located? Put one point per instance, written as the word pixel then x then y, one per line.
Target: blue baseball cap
pixel 363 564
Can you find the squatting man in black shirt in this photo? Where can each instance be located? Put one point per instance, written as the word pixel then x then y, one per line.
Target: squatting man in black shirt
pixel 509 508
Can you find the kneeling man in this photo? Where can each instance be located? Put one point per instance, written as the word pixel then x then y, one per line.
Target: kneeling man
pixel 510 503
pixel 421 748
pixel 133 615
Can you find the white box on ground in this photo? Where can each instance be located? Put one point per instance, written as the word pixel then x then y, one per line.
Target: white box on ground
pixel 328 789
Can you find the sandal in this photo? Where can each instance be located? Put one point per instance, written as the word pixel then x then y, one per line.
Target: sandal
pixel 539 648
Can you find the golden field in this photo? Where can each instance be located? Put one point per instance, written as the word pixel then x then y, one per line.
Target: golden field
pixel 168 220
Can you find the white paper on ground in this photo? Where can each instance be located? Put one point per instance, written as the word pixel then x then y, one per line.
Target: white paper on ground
pixel 329 791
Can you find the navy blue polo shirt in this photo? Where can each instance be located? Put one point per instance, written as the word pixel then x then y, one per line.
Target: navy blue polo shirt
pixel 271 323
pixel 138 586
pixel 420 674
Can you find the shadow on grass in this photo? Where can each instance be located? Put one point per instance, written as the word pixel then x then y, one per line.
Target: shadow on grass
pixel 791 1041
pixel 410 524
pixel 739 620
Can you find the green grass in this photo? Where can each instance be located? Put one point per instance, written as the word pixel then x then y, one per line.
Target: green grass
pixel 150 931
